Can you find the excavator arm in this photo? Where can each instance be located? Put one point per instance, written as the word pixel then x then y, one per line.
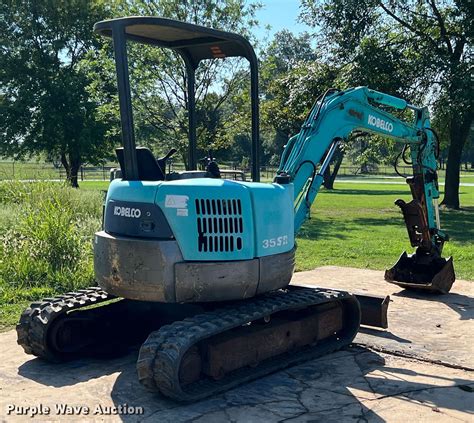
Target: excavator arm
pixel 334 117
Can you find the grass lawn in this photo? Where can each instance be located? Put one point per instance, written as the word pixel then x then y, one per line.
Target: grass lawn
pixel 27 170
pixel 94 185
pixel 358 225
pixel 354 225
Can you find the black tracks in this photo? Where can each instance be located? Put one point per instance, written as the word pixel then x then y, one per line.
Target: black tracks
pixel 36 321
pixel 129 322
pixel 160 356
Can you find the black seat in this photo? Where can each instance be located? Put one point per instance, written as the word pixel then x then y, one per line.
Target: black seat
pixel 148 168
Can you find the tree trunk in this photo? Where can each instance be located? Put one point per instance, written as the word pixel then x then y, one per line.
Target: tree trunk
pixel 458 134
pixel 75 166
pixel 66 166
pixel 71 167
pixel 184 157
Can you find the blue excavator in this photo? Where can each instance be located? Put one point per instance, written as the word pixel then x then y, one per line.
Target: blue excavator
pixel 199 267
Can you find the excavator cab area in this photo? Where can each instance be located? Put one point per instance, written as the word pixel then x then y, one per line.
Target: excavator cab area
pixel 193 43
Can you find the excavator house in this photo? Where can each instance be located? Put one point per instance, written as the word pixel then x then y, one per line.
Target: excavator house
pixel 198 268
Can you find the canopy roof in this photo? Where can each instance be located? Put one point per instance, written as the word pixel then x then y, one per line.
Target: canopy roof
pixel 193 41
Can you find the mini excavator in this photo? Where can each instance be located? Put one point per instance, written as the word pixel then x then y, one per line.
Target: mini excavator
pixel 198 267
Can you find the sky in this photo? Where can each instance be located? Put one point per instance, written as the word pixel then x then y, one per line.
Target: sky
pixel 279 14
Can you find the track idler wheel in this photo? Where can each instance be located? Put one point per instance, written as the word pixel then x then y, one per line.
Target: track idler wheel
pixel 422 272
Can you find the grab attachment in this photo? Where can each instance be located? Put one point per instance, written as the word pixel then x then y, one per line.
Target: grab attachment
pixel 422 271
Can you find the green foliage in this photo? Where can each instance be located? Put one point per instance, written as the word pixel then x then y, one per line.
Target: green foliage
pixel 291 77
pixel 285 51
pixel 44 105
pixel 291 95
pixel 47 246
pixel 419 50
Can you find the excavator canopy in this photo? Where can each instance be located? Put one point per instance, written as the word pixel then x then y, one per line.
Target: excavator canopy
pixel 193 43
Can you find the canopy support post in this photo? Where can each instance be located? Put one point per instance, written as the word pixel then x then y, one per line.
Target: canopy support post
pixel 255 118
pixel 125 101
pixel 191 82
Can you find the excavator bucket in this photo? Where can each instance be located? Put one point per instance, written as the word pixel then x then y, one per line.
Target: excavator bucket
pixel 435 275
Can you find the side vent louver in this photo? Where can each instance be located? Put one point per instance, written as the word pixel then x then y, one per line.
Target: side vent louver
pixel 219 225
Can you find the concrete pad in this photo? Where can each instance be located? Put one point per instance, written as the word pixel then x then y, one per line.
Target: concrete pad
pixel 356 384
pixel 432 327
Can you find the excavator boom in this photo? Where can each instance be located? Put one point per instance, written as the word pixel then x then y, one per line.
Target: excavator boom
pixel 334 117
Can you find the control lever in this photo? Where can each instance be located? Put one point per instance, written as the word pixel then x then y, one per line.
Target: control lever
pixel 162 161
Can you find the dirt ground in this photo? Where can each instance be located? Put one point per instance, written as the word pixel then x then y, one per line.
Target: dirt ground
pixel 420 369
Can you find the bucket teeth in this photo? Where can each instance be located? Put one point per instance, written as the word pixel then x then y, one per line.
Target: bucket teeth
pixel 433 274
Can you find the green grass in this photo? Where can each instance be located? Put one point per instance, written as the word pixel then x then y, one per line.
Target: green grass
pixel 40 170
pixel 393 180
pixel 27 170
pixel 358 225
pixel 46 231
pixel 94 185
pixel 469 178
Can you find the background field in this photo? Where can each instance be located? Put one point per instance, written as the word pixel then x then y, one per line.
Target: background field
pixel 37 170
pixel 46 230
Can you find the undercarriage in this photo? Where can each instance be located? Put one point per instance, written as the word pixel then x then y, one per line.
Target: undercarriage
pixel 193 351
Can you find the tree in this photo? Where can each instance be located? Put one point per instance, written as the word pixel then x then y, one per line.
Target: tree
pixel 433 42
pixel 290 97
pixel 158 76
pixel 289 80
pixel 284 54
pixel 286 50
pixel 45 105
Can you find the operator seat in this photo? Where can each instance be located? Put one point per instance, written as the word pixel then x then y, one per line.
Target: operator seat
pixel 148 167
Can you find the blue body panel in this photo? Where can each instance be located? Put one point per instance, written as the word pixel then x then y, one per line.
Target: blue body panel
pixel 273 217
pixel 218 219
pixel 133 191
pixel 177 199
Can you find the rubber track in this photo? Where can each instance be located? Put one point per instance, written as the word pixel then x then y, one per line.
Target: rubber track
pixel 161 354
pixel 36 320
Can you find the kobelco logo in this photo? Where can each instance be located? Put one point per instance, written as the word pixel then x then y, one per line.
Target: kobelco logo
pixel 380 123
pixel 127 212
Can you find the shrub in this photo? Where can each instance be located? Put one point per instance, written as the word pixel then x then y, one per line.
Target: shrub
pixel 49 245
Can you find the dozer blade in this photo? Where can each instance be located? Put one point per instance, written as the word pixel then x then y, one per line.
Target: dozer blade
pixel 374 309
pixel 435 275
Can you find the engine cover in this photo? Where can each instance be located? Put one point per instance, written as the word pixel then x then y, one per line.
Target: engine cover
pixel 211 219
pixel 195 240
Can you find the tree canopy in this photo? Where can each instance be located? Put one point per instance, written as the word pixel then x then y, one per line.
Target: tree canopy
pixel 420 50
pixel 45 106
pixel 58 92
